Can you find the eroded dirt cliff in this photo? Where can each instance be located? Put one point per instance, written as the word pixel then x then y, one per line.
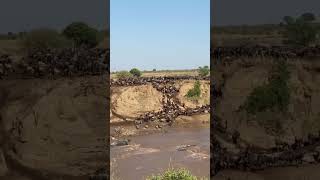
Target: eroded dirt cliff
pixel 267 140
pixel 54 128
pixel 156 99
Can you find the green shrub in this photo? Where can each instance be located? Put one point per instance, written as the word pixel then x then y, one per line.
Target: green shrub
pixel 123 75
pixel 82 34
pixel 135 72
pixel 203 71
pixel 44 38
pixel 272 96
pixel 308 16
pixel 195 92
pixel 288 20
pixel 299 32
pixel 171 174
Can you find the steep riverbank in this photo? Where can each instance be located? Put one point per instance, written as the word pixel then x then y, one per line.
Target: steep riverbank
pixel 161 99
pixel 267 140
pixel 54 128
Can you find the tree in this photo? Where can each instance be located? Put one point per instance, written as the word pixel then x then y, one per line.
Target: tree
pixel 203 71
pixel 288 20
pixel 308 17
pixel 135 72
pixel 299 32
pixel 81 34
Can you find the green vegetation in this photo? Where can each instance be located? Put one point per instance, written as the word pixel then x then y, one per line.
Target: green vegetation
pixel 44 38
pixel 203 71
pixel 135 72
pixel 171 174
pixel 195 92
pixel 299 31
pixel 274 95
pixel 123 74
pixel 73 35
pixel 82 34
pixel 288 19
pixel 308 17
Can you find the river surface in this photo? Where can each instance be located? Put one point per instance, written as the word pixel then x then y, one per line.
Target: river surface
pixel 304 172
pixel 152 154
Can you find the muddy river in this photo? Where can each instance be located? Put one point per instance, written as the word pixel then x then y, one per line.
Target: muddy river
pixel 152 154
pixel 305 172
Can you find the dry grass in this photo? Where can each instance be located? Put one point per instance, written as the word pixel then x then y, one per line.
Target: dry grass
pixel 10 46
pixel 164 73
pixel 241 35
pixel 171 73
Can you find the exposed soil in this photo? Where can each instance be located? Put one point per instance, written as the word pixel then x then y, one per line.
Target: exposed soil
pixel 264 139
pixel 134 101
pixel 55 127
pixel 204 98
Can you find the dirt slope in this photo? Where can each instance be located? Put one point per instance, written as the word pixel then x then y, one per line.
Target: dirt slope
pixel 303 114
pixel 57 126
pixel 185 86
pixel 129 102
pixel 265 129
pixel 133 101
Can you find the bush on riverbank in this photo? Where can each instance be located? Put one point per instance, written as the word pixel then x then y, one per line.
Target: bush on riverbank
pixel 195 92
pixel 274 95
pixel 203 71
pixel 123 74
pixel 172 174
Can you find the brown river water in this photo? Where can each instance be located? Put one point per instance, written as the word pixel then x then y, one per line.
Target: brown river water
pixel 152 154
pixel 305 172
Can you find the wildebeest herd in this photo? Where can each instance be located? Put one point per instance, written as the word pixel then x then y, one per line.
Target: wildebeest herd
pixel 154 80
pixel 172 107
pixel 259 51
pixel 55 63
pixel 302 151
